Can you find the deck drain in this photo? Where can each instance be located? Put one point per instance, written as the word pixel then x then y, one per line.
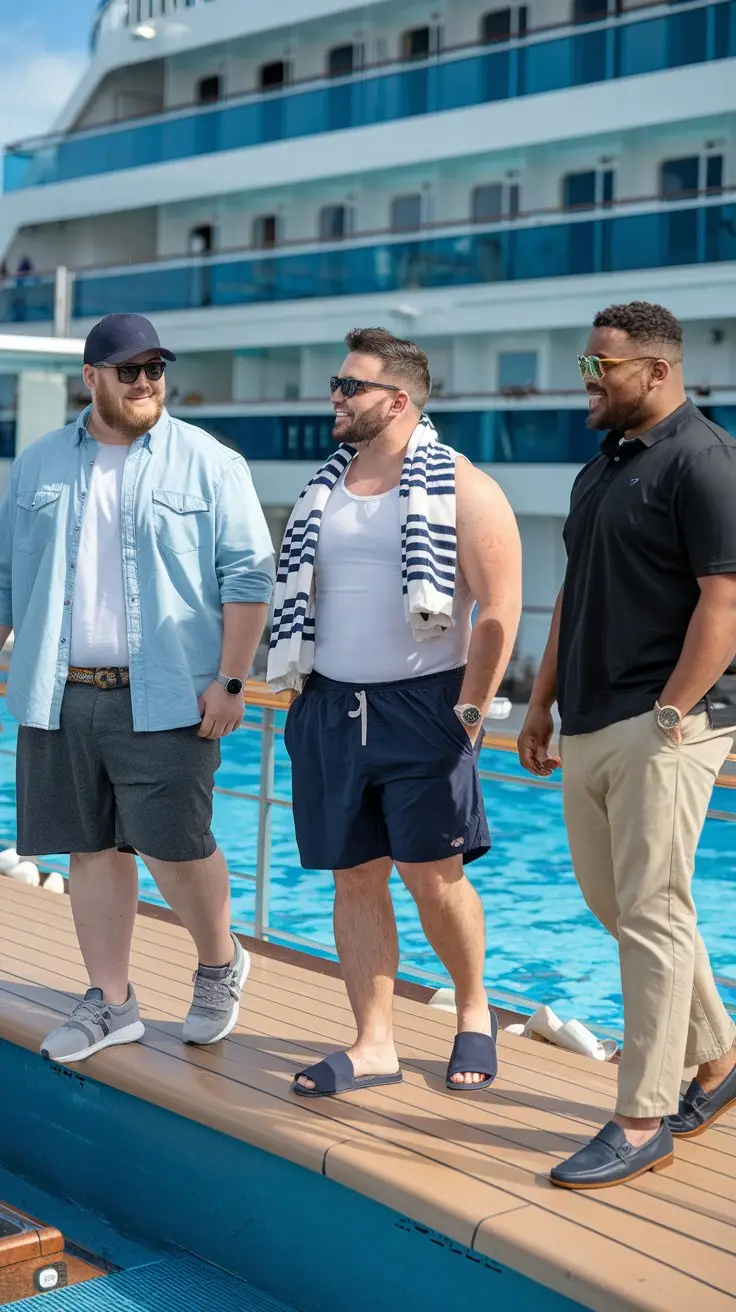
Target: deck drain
pixel 436 1237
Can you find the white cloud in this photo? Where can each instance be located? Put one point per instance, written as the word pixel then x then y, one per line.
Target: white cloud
pixel 34 85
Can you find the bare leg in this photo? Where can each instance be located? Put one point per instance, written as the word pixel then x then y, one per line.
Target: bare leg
pixel 199 893
pixel 452 918
pixel 103 887
pixel 367 944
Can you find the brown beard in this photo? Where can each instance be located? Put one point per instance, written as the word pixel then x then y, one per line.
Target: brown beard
pixel 125 419
pixel 365 428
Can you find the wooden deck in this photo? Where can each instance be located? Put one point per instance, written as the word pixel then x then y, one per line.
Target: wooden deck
pixel 474 1168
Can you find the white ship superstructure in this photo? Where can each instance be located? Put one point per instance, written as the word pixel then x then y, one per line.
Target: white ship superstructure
pixel 261 178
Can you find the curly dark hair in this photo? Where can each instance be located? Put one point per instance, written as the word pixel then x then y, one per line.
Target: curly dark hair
pixel 402 360
pixel 647 325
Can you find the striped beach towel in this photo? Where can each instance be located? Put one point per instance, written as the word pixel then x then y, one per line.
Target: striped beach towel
pixel 428 554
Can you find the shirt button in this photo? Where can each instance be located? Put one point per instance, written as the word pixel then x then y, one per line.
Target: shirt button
pixel 616 459
pixel 63 642
pixel 67 601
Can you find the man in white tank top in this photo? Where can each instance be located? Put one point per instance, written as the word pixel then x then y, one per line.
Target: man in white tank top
pixel 385 736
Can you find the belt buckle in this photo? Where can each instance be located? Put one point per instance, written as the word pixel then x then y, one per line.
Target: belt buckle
pixel 106 679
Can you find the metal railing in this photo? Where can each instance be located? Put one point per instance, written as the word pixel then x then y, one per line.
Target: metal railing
pixel 260 698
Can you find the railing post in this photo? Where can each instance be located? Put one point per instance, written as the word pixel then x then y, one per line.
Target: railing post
pixel 265 808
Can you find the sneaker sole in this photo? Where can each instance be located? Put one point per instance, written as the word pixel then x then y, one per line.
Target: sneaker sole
pixel 130 1034
pixel 207 1043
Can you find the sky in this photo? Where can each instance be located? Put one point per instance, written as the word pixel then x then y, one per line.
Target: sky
pixel 43 50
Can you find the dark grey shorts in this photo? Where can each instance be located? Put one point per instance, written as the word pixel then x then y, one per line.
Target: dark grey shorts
pixel 94 784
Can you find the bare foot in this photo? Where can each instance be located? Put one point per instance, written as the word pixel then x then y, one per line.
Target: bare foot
pixel 366 1061
pixel 639 1130
pixel 476 1020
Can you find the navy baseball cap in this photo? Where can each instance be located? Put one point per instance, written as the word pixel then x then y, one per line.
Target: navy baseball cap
pixel 118 338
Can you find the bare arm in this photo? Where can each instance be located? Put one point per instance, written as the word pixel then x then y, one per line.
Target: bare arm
pixel 243 625
pixel 709 646
pixel 538 727
pixel 489 556
pixel 544 692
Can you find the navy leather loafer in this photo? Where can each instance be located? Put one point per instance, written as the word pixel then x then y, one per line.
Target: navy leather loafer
pixel 610 1159
pixel 699 1110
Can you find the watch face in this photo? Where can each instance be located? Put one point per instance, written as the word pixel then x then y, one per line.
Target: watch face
pixel 471 716
pixel 234 686
pixel 668 718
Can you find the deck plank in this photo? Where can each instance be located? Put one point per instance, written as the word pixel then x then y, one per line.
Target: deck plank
pixel 474 1167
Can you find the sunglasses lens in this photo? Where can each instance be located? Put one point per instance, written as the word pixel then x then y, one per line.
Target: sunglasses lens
pixel 596 368
pixel 128 373
pixel 155 370
pixel 582 365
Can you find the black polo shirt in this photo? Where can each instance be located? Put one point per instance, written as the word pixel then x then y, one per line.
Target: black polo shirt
pixel 648 517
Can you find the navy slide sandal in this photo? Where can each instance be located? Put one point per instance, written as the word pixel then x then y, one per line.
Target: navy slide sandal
pixel 336 1075
pixel 474 1053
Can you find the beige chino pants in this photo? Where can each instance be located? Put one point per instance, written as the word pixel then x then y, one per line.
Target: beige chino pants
pixel 635 806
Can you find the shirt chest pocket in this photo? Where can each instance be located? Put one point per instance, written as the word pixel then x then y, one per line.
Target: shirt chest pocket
pixel 37 510
pixel 180 520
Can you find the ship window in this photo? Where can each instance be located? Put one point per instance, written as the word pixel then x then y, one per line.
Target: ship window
pixel 416 43
pixel 265 231
pixel 488 203
pixel 583 191
pixel 714 172
pixel 273 75
pixel 587 11
pixel 341 61
pixel 334 222
pixel 680 177
pixel 406 213
pixel 502 24
pixel 202 239
pixel 578 190
pixel 209 89
pixel 517 371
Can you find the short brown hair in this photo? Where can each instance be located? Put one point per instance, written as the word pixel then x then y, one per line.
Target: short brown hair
pixel 402 360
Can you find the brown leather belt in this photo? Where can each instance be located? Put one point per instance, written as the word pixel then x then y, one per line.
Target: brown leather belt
pixel 105 679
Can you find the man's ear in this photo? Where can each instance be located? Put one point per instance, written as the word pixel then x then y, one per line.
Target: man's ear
pixel 661 370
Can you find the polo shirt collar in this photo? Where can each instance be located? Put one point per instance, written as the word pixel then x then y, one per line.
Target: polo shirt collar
pixel 665 428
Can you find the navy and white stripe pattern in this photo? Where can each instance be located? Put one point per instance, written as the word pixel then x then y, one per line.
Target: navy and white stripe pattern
pixel 428 554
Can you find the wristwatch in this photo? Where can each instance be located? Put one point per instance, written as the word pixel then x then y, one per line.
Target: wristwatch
pixel 231 685
pixel 470 716
pixel 668 718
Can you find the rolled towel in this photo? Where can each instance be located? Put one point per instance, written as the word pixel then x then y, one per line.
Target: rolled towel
pixel 25 873
pixel 572 1036
pixel 8 860
pixel 54 883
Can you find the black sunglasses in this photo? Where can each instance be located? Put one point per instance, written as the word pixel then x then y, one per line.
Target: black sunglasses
pixel 351 387
pixel 130 373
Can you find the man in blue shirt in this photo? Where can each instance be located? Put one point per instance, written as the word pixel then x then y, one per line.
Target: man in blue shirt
pixel 136 570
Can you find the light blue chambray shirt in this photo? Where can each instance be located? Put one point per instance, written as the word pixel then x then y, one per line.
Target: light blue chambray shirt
pixel 193 537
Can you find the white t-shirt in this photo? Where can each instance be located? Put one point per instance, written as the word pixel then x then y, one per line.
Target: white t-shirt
pixel 362 634
pixel 99 632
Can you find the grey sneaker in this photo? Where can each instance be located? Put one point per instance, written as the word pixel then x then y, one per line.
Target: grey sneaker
pixel 92 1026
pixel 216 1002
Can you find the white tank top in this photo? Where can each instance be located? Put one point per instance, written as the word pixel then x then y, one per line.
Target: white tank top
pixel 99 630
pixel 362 635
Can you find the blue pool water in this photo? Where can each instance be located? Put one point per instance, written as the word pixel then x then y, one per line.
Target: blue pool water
pixel 543 943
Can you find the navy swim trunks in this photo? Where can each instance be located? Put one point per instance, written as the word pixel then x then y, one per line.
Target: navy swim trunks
pixel 384 770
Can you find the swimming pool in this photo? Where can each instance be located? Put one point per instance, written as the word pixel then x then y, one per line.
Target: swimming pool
pixel 544 946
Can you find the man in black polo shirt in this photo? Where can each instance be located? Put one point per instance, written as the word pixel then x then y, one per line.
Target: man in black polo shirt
pixel 640 660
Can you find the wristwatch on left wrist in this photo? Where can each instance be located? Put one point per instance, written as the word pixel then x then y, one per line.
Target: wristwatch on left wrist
pixel 231 684
pixel 668 718
pixel 469 716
